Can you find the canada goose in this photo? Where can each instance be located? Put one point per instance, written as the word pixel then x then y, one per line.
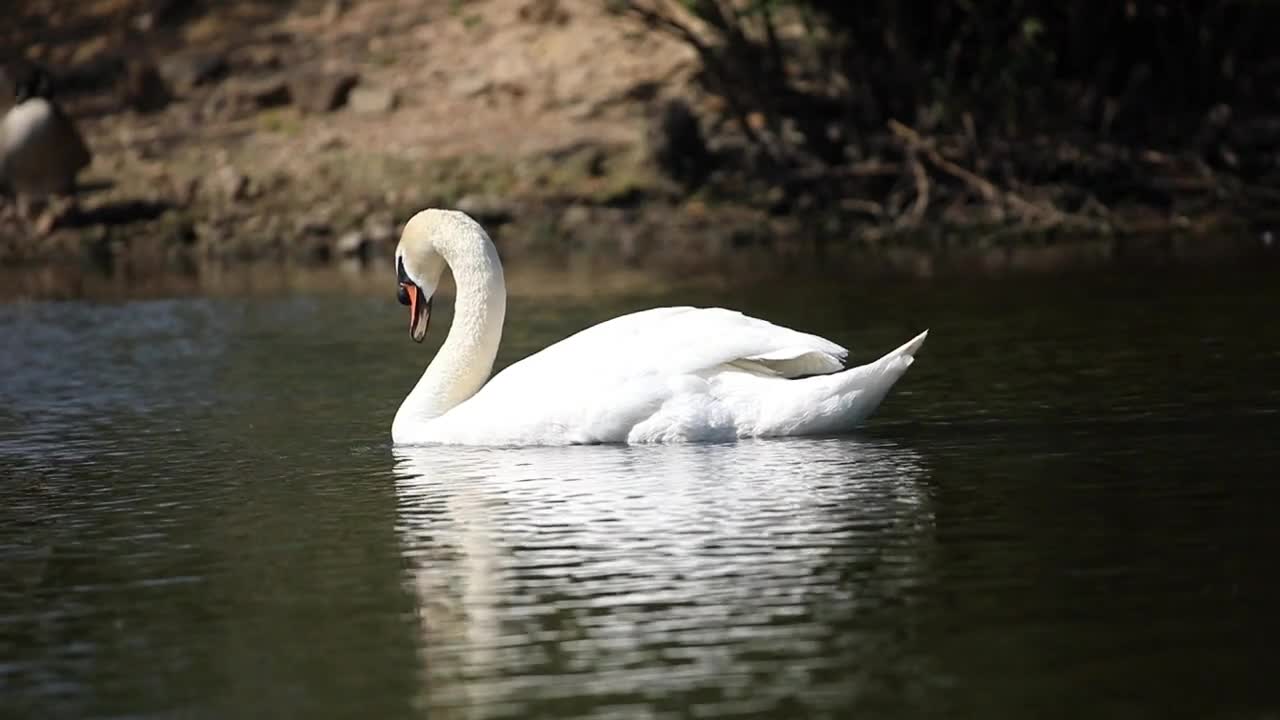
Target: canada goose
pixel 41 152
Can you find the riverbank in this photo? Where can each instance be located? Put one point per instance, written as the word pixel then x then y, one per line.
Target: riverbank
pixel 580 275
pixel 243 136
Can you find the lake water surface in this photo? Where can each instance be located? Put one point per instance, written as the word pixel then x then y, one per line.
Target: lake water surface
pixel 1067 508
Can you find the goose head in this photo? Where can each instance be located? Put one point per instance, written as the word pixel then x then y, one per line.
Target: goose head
pixel 32 82
pixel 419 266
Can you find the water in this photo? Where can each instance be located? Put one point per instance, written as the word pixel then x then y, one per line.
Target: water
pixel 1066 509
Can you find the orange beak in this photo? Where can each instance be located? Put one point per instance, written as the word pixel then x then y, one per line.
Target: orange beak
pixel 419 312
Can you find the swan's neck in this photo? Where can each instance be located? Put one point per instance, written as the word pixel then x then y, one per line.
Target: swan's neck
pixel 464 362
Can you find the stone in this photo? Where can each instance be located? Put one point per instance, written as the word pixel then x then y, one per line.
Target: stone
pixel 676 144
pixel 644 91
pixel 575 216
pixel 236 99
pixel 372 100
pixel 321 92
pixel 469 85
pixel 352 244
pixel 330 142
pixel 217 106
pixel 6 88
pixel 46 223
pixel 380 230
pixel 311 249
pixel 315 224
pixel 265 93
pixel 543 12
pixel 256 58
pixel 144 89
pixel 487 208
pixel 101 71
pixel 233 184
pixel 90 49
pixel 333 10
pixel 160 13
pixel 191 70
pixel 581 111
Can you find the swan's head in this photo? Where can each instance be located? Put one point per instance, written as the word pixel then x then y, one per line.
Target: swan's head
pixel 434 239
pixel 419 265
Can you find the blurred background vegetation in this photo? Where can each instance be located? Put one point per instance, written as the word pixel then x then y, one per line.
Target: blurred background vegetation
pixel 1135 71
pixel 650 132
pixel 994 96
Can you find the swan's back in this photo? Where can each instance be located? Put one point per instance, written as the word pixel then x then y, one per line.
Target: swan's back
pixel 678 340
pixel 674 374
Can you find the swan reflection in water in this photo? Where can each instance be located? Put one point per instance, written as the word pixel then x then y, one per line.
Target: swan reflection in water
pixel 731 573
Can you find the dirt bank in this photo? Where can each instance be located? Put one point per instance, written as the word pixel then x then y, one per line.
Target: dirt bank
pixel 251 133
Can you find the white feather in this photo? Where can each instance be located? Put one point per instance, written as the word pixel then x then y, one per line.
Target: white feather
pixel 676 374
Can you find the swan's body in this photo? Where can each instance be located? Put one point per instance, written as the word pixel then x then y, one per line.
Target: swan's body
pixel 676 374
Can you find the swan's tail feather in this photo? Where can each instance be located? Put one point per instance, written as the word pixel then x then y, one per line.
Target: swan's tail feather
pixel 868 384
pixel 912 346
pixel 841 401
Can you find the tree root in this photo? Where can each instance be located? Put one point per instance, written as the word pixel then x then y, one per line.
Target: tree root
pixel 920 206
pixel 917 147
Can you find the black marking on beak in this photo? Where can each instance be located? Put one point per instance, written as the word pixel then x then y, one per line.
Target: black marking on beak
pixel 409 294
pixel 401 275
pixel 419 313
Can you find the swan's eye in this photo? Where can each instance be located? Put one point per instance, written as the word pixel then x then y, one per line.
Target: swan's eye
pixel 403 295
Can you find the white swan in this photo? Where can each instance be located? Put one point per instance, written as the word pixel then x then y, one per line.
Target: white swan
pixel 672 374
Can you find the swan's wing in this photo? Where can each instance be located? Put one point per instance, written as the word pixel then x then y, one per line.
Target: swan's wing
pixel 602 383
pixel 675 341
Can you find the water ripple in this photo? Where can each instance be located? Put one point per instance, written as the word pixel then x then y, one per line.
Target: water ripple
pixel 543 574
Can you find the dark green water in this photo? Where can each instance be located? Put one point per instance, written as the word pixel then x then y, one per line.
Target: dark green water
pixel 1068 508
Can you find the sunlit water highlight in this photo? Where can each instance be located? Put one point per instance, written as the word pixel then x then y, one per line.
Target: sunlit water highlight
pixel 1065 509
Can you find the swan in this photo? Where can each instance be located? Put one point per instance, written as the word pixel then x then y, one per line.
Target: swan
pixel 672 374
